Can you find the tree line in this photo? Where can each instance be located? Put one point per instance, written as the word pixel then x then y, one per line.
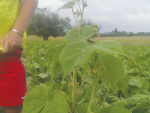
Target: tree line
pixel 123 33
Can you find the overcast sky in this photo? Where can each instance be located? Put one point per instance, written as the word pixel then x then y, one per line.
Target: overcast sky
pixel 125 15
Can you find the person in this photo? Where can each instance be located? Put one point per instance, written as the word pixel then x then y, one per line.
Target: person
pixel 15 17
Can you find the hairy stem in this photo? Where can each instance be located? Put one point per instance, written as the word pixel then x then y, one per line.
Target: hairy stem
pixel 75 19
pixel 81 17
pixel 82 14
pixel 74 90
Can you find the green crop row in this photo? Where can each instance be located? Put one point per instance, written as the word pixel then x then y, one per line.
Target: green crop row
pixel 39 58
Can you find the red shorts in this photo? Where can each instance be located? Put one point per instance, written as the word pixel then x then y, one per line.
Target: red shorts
pixel 12 79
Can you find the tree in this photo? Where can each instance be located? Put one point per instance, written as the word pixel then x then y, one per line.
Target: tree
pixel 45 23
pixel 131 34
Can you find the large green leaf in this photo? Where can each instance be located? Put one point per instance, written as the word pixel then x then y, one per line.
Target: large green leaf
pixel 113 72
pixel 74 54
pixel 72 35
pixel 79 35
pixel 109 47
pixel 68 5
pixel 85 33
pixel 41 100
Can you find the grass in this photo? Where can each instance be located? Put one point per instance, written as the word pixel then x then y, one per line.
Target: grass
pixel 57 39
pixel 125 41
pixel 34 37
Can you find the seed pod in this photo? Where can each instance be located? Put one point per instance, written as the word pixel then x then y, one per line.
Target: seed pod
pixel 79 13
pixel 94 71
pixel 84 76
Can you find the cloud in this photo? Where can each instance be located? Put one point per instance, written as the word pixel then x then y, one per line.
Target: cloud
pixel 54 5
pixel 126 15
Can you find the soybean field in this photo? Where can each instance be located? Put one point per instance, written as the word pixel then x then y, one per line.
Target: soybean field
pixel 127 93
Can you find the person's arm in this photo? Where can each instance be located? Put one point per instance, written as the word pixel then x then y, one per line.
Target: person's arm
pixel 12 41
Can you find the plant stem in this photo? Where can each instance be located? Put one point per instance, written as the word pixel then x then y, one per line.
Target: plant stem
pixel 82 14
pixel 106 95
pixel 62 82
pixel 79 6
pixel 68 108
pixel 75 18
pixel 74 90
pixel 70 76
pixel 77 23
pixel 99 76
pixel 92 95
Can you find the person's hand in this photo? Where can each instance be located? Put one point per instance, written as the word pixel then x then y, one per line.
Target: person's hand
pixel 10 42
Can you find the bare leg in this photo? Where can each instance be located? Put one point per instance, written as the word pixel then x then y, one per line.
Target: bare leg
pixel 14 109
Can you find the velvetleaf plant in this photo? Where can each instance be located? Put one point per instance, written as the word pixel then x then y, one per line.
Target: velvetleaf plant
pixel 78 52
